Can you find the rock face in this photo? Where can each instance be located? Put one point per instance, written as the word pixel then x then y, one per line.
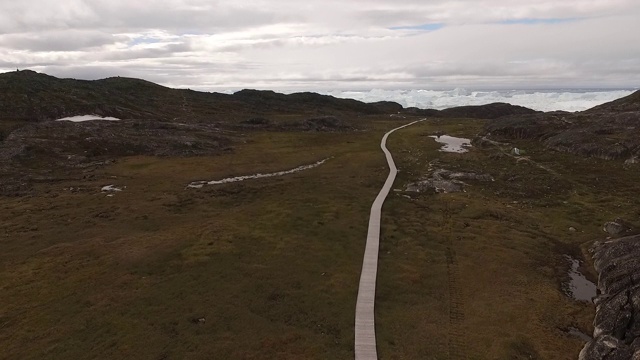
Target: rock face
pixel 617 322
pixel 606 348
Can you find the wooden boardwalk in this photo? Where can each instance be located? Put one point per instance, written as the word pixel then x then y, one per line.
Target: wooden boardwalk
pixel 365 329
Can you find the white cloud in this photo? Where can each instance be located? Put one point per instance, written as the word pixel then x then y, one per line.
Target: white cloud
pixel 320 45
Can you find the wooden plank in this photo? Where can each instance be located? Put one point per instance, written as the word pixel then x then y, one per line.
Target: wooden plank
pixel 365 330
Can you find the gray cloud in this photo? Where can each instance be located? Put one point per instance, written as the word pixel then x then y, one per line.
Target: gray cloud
pixel 163 51
pixel 70 40
pixel 322 44
pixel 174 15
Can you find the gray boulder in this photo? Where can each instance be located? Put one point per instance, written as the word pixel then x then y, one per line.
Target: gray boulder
pixel 606 348
pixel 617 227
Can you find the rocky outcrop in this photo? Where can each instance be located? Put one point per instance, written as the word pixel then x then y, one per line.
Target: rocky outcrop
pixel 326 123
pixel 446 181
pixel 610 131
pixel 617 321
pixel 36 150
pixel 617 227
pixel 604 135
pixel 535 126
pixel 112 138
pixel 606 348
pixel 317 123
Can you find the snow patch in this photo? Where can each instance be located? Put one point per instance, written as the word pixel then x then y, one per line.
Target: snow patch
pixel 81 118
pixel 200 184
pixel 110 188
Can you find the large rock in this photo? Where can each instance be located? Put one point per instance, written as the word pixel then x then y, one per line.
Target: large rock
pixel 615 228
pixel 617 321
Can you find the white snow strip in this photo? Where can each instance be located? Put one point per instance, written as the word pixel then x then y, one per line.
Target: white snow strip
pixel 544 100
pixel 81 118
pixel 200 184
pixel 453 144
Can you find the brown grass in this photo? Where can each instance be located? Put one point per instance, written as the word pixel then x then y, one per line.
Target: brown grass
pixel 273 264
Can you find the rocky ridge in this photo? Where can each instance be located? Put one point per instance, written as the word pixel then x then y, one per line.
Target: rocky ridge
pixel 610 131
pixel 156 120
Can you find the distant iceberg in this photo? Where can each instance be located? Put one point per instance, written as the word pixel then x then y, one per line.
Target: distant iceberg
pixel 81 118
pixel 542 100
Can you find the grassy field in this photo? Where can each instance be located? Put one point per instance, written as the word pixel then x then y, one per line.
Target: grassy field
pixel 269 268
pixel 487 265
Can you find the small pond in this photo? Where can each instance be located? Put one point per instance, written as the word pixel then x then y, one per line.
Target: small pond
pixel 579 287
pixel 453 144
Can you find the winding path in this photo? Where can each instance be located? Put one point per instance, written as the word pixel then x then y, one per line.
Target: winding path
pixel 365 328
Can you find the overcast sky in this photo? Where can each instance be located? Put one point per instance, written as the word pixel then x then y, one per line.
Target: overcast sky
pixel 329 44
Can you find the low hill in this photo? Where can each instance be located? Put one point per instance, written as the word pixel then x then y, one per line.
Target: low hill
pixel 609 131
pixel 305 101
pixel 31 96
pixel 627 103
pixel 487 111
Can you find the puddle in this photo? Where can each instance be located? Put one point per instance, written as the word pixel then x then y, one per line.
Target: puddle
pixel 579 287
pixel 453 144
pixel 81 118
pixel 579 334
pixel 200 184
